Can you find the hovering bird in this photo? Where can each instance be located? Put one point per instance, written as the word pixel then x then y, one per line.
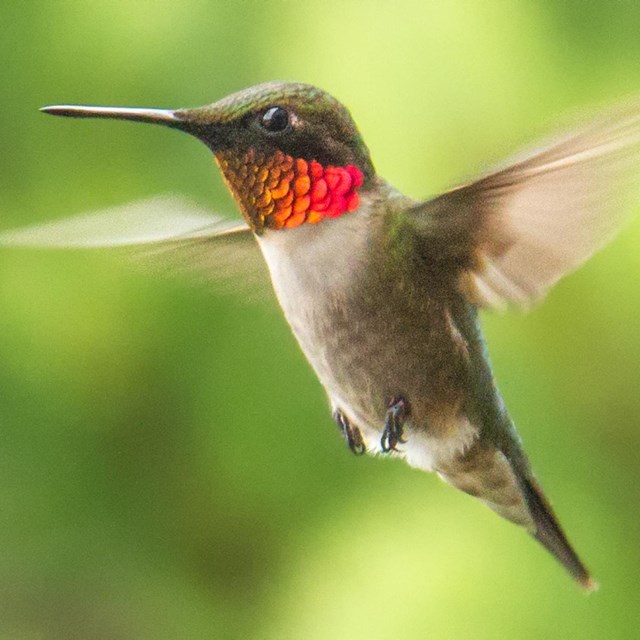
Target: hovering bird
pixel 382 291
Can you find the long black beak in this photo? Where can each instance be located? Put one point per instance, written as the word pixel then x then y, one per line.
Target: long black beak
pixel 167 117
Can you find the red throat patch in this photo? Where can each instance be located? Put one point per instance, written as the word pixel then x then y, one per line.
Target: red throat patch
pixel 280 192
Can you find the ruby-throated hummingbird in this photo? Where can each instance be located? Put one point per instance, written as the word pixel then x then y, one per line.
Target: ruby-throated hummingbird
pixel 381 291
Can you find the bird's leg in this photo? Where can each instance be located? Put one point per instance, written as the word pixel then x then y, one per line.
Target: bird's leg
pixel 397 412
pixel 351 434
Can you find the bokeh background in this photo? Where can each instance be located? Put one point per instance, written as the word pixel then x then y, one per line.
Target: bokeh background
pixel 168 464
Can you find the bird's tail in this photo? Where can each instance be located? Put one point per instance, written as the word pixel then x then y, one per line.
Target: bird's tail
pixel 550 534
pixel 510 489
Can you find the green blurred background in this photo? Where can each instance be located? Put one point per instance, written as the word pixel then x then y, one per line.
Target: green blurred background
pixel 168 464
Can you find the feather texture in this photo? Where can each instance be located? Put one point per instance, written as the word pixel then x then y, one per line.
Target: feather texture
pixel 514 233
pixel 166 233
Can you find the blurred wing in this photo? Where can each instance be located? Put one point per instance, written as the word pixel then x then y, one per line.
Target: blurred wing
pixel 168 233
pixel 513 234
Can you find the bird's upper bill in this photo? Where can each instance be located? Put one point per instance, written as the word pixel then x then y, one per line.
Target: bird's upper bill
pixel 290 153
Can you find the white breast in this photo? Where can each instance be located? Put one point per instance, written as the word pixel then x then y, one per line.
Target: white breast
pixel 312 268
pixel 313 260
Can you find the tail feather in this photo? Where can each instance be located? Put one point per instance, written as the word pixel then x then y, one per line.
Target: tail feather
pixel 505 484
pixel 550 534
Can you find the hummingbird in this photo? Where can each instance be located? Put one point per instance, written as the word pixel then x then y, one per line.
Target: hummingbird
pixel 382 291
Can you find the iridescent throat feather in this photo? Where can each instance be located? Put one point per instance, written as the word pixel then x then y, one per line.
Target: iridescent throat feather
pixel 277 191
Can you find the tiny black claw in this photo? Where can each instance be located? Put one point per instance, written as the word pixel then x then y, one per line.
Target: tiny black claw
pixel 397 412
pixel 351 434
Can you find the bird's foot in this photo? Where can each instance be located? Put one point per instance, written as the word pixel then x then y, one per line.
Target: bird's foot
pixel 351 434
pixel 397 413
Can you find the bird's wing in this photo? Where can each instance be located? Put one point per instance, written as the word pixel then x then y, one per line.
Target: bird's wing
pixel 514 233
pixel 168 233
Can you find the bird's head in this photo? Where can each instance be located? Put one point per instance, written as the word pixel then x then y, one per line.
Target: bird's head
pixel 290 153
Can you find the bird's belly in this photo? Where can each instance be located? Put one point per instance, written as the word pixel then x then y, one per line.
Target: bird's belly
pixel 368 357
pixel 371 334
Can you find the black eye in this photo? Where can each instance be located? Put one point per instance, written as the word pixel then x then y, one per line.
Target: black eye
pixel 274 119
